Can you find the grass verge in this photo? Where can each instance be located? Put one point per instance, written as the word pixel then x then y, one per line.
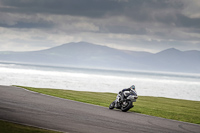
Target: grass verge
pixel 181 110
pixel 9 127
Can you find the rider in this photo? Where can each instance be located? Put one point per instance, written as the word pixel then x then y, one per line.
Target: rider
pixel 121 94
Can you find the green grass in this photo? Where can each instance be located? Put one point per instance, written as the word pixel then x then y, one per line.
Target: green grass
pixel 9 127
pixel 181 110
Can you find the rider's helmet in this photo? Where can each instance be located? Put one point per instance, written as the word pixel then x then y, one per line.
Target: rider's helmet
pixel 132 87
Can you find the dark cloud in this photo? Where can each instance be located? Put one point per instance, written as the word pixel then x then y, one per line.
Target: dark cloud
pixel 184 21
pixel 87 8
pixel 151 11
pixel 162 11
pixel 28 25
pixel 137 9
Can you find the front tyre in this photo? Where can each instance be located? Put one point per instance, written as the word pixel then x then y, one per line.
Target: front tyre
pixel 126 106
pixel 112 105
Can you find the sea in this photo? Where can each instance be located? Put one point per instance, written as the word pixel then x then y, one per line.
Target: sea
pixel 148 83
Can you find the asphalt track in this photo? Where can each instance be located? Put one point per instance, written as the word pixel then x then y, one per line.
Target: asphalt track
pixel 30 108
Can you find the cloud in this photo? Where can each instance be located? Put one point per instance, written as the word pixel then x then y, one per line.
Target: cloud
pixel 141 11
pixel 87 8
pixel 118 23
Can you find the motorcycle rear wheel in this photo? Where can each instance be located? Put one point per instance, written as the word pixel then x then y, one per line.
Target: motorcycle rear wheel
pixel 127 106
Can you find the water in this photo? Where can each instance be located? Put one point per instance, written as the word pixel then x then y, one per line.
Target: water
pixel 171 85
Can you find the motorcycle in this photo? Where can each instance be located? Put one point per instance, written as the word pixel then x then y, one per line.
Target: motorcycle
pixel 126 103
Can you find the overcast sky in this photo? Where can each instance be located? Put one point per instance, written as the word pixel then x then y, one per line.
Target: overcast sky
pixel 139 25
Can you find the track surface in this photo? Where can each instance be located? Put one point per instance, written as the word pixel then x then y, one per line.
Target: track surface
pixel 30 108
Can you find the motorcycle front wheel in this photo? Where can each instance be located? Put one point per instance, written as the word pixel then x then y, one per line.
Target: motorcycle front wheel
pixel 112 105
pixel 126 106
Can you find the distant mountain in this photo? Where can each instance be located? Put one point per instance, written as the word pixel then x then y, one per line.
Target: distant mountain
pixel 85 54
pixel 175 60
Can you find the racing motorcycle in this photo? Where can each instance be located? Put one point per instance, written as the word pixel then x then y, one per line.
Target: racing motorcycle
pixel 126 103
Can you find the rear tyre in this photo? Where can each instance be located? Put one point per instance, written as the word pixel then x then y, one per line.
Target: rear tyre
pixel 126 106
pixel 112 105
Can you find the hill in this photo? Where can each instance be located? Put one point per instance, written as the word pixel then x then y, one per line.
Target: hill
pixel 83 54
